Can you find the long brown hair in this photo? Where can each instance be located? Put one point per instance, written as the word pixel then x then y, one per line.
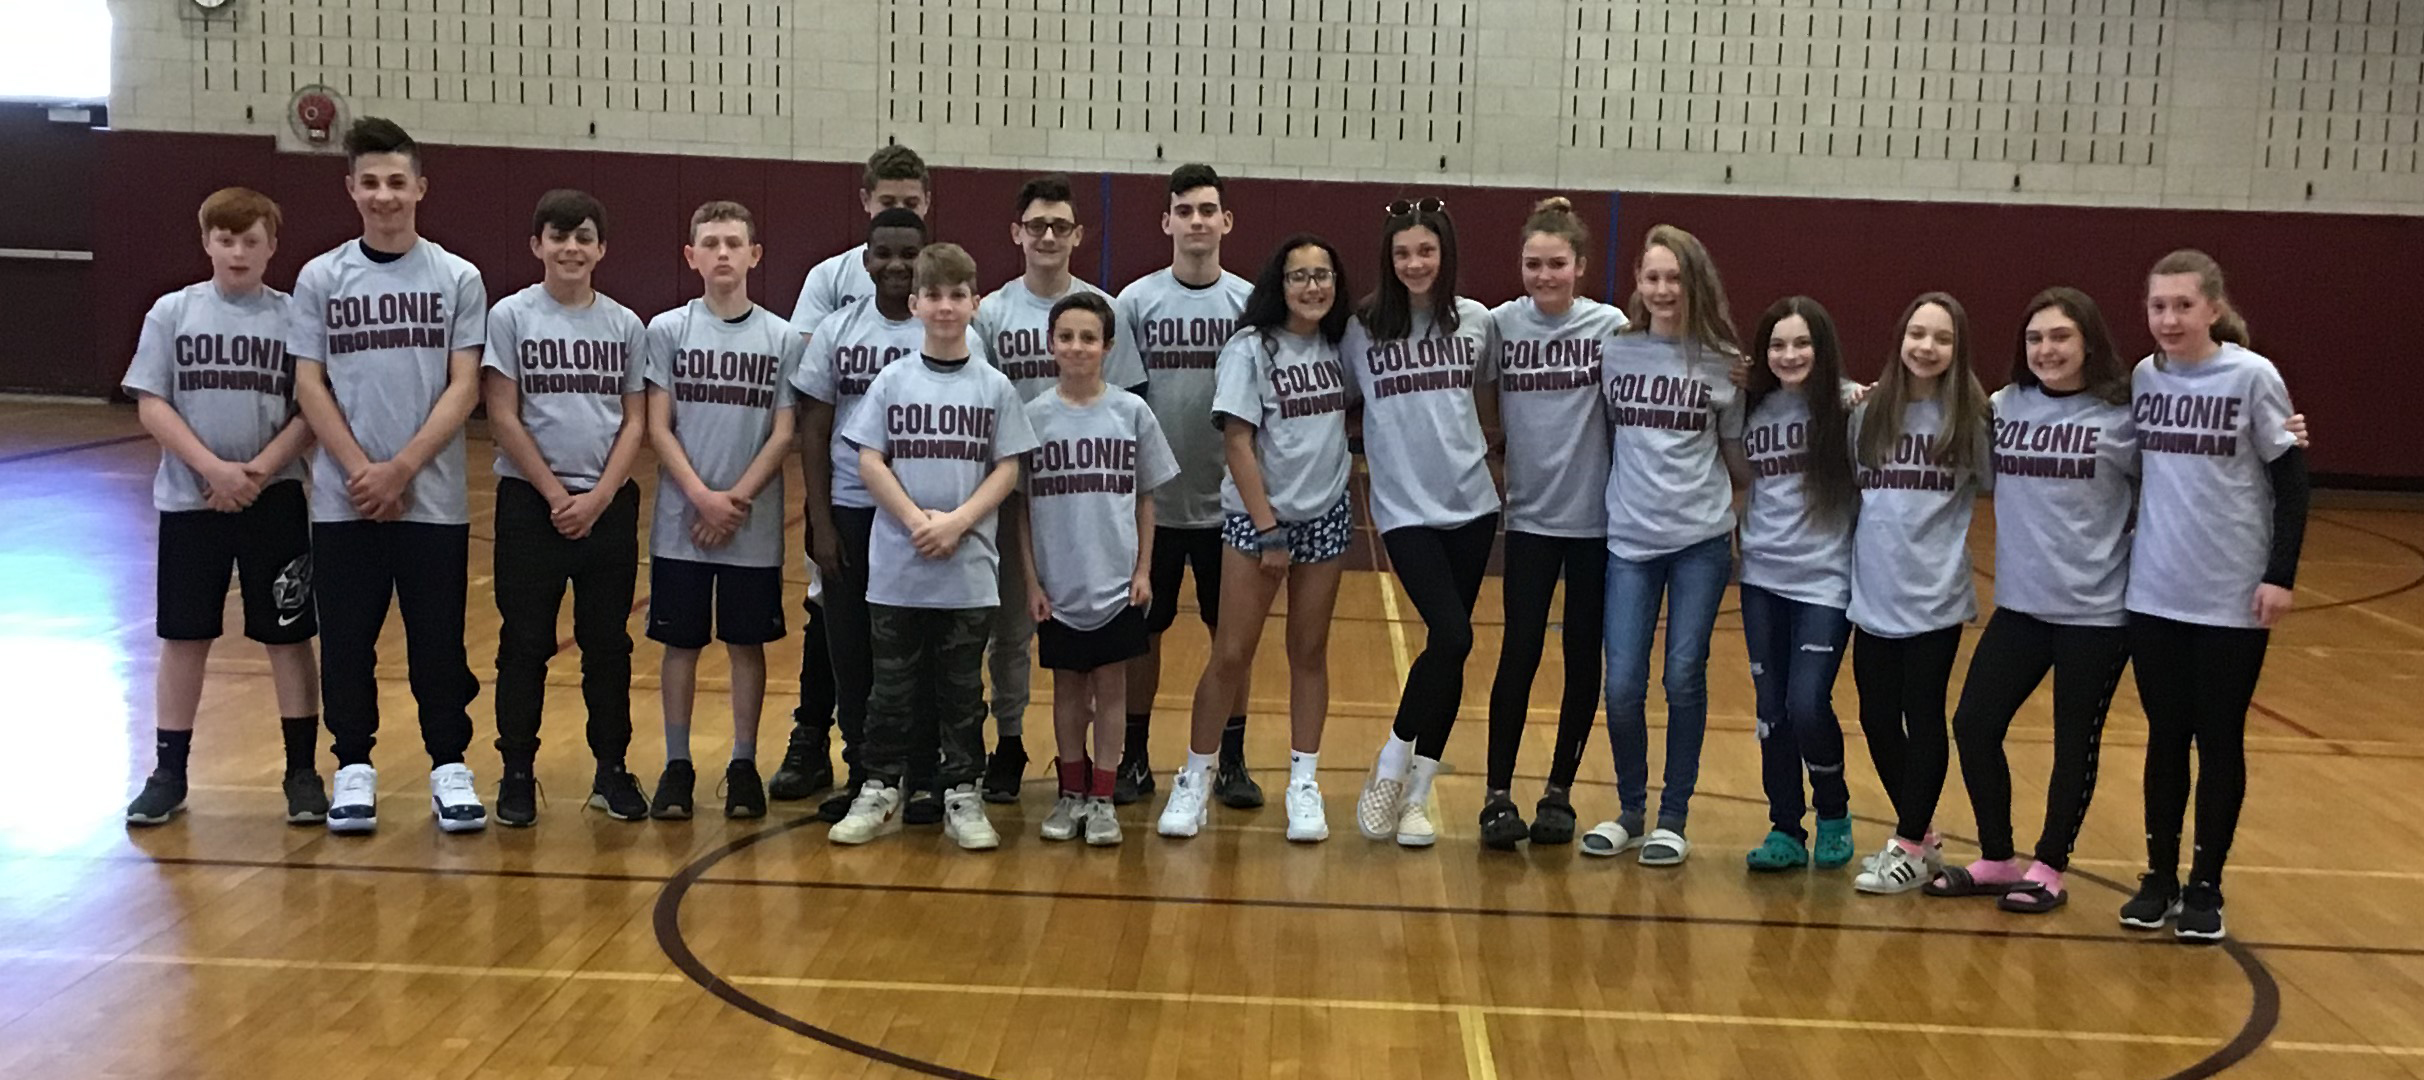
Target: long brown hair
pixel 1708 324
pixel 2107 377
pixel 2229 327
pixel 1827 475
pixel 1963 442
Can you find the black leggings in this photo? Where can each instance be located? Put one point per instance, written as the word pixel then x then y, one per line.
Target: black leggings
pixel 1533 564
pixel 2012 658
pixel 1441 570
pixel 1902 683
pixel 2196 683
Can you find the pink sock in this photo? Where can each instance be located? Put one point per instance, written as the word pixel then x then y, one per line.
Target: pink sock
pixel 1910 848
pixel 1996 872
pixel 2046 876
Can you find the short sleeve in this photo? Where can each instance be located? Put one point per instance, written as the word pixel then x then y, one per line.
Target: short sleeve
pixel 1013 432
pixel 154 368
pixel 1155 464
pixel 635 353
pixel 1237 385
pixel 865 429
pixel 657 357
pixel 794 348
pixel 470 327
pixel 1485 325
pixel 1732 412
pixel 2268 412
pixel 1125 367
pixel 816 377
pixel 816 300
pixel 307 315
pixel 981 329
pixel 1353 348
pixel 505 358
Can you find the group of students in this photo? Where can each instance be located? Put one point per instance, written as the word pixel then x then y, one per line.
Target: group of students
pixel 1054 493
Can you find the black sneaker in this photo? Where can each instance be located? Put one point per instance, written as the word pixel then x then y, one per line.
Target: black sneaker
pixel 1553 820
pixel 1133 783
pixel 1502 826
pixel 163 795
pixel 2199 915
pixel 925 807
pixel 673 792
pixel 1234 787
pixel 306 798
pixel 744 793
pixel 806 770
pixel 618 793
pixel 1003 770
pixel 518 799
pixel 2158 900
pixel 837 804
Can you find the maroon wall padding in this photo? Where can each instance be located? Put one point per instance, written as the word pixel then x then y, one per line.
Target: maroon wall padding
pixel 2321 291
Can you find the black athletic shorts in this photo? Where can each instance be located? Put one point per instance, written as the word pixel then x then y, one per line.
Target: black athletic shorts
pixel 268 543
pixel 745 603
pixel 1173 551
pixel 1060 648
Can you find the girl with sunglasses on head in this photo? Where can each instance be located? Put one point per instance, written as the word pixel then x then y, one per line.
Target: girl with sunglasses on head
pixel 1424 360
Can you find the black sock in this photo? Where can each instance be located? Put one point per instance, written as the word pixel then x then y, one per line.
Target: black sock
pixel 1140 725
pixel 1233 739
pixel 170 748
pixel 1010 744
pixel 521 762
pixel 609 768
pixel 300 732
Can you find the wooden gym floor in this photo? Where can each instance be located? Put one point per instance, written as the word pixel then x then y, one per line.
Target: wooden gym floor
pixel 229 944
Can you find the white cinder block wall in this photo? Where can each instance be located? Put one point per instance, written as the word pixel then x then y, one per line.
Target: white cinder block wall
pixel 2234 104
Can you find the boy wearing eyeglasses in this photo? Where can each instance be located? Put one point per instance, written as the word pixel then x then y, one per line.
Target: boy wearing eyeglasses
pixel 1013 326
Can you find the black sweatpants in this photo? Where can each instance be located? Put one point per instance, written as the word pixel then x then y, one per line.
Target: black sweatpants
pixel 1533 565
pixel 2011 660
pixel 358 566
pixel 1902 684
pixel 849 637
pixel 2195 682
pixel 815 711
pixel 1441 570
pixel 533 564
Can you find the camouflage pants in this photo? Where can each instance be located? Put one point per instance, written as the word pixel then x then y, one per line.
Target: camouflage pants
pixel 929 691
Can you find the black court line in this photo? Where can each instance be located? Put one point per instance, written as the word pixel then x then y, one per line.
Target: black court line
pixel 71 448
pixel 2385 594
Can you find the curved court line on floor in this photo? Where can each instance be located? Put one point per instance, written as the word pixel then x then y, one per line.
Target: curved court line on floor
pixel 71 448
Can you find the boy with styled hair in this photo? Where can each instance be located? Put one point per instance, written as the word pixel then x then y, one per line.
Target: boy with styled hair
pixel 568 412
pixel 719 415
pixel 213 382
pixel 386 333
pixel 938 440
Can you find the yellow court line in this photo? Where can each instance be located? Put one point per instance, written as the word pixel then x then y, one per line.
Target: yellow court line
pixel 1080 993
pixel 1397 630
pixel 1476 1032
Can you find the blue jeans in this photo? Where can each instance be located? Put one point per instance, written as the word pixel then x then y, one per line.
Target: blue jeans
pixel 1690 582
pixel 1796 650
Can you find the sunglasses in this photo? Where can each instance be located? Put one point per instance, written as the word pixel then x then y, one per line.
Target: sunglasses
pixel 1402 208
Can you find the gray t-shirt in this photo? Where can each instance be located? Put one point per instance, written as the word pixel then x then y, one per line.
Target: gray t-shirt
pixel 1786 549
pixel 573 366
pixel 1422 431
pixel 1014 325
pixel 1668 409
pixel 850 348
pixel 942 432
pixel 384 331
pixel 727 381
pixel 221 362
pixel 1292 390
pixel 2064 487
pixel 1556 429
pixel 1180 332
pixel 2206 431
pixel 832 285
pixel 1910 552
pixel 1090 465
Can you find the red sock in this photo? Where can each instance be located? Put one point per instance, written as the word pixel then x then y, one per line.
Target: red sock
pixel 1103 781
pixel 1073 775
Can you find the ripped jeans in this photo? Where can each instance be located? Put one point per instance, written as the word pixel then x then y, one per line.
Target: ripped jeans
pixel 1796 650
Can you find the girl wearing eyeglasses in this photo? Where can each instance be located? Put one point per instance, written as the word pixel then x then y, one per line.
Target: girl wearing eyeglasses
pixel 1281 403
pixel 1424 359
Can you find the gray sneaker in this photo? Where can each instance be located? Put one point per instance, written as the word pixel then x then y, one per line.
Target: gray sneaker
pixel 1067 817
pixel 1102 823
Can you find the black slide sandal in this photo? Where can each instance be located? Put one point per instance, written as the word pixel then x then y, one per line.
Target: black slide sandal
pixel 1956 881
pixel 2031 898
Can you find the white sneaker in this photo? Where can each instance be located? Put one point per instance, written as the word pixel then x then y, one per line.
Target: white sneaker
pixel 1414 827
pixel 1308 819
pixel 1382 802
pixel 1186 812
pixel 355 807
pixel 1067 817
pixel 876 812
pixel 1102 823
pixel 1896 870
pixel 454 799
pixel 964 820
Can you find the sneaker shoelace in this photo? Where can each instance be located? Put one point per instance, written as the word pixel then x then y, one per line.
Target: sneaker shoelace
pixel 455 786
pixel 1304 799
pixel 868 799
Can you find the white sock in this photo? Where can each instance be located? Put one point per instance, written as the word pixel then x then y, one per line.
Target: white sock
pixel 1396 756
pixel 1301 766
pixel 1202 762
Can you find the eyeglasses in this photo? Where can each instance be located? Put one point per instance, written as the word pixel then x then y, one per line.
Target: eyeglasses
pixel 1312 276
pixel 1037 227
pixel 1402 208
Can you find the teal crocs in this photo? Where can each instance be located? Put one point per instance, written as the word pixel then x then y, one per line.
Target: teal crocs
pixel 1834 842
pixel 1778 852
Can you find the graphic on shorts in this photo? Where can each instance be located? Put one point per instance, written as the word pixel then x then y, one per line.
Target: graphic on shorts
pixel 291 591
